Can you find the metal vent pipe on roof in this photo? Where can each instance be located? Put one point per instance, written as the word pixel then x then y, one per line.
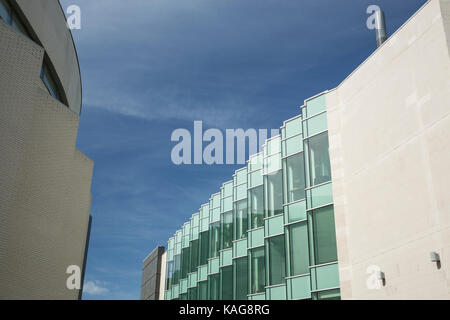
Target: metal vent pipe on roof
pixel 380 27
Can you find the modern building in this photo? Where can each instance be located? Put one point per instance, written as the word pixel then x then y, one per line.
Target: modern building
pixel 351 201
pixel 154 264
pixel 44 180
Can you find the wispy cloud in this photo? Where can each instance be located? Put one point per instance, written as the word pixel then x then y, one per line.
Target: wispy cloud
pixel 95 288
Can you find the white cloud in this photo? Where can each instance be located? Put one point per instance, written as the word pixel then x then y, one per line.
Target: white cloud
pixel 95 288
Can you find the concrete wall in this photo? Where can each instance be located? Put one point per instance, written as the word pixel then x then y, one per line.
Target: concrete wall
pixel 389 132
pixel 44 180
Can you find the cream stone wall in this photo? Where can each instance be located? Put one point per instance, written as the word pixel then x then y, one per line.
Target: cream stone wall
pixel 44 180
pixel 389 133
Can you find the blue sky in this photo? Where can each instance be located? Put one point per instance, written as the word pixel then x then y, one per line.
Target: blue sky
pixel 152 66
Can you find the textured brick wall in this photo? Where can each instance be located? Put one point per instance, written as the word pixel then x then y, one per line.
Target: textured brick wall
pixel 44 180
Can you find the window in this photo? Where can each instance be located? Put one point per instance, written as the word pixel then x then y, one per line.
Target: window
pixel 203 290
pixel 257 270
pixel 240 275
pixel 12 18
pixel 324 234
pixel 192 293
pixel 295 177
pixel 194 255
pixel 226 278
pixel 49 82
pixel 256 207
pixel 18 25
pixel 240 209
pixel 169 277
pixel 298 249
pixel 274 191
pixel 319 156
pixel 185 257
pixel 177 269
pixel 204 246
pixel 276 257
pixel 214 239
pixel 5 11
pixel 213 281
pixel 227 229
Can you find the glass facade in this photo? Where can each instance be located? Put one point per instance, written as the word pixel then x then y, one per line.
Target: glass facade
pixel 269 233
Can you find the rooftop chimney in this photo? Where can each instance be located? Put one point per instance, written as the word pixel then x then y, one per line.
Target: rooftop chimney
pixel 380 27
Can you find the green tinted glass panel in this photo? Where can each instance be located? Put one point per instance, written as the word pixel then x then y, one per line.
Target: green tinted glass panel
pixel 241 224
pixel 298 249
pixel 227 204
pixel 241 192
pixel 202 273
pixel 241 176
pixel 185 260
pixel 296 211
pixel 227 190
pixel 177 269
pixel 276 293
pixel 294 127
pixel 256 238
pixel 204 247
pixel 226 275
pixel 299 288
pixel 325 277
pixel 274 226
pixel 324 235
pixel 169 275
pixel 192 293
pixel 192 279
pixel 293 145
pixel 272 163
pixel 295 177
pixel 319 159
pixel 213 284
pixel 203 290
pixel 317 124
pixel 319 196
pixel 214 239
pixel 256 178
pixel 257 270
pixel 194 255
pixel 213 265
pixel 226 257
pixel 227 229
pixel 261 296
pixel 277 267
pixel 240 248
pixel 256 201
pixel 274 193
pixel 316 105
pixel 240 278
